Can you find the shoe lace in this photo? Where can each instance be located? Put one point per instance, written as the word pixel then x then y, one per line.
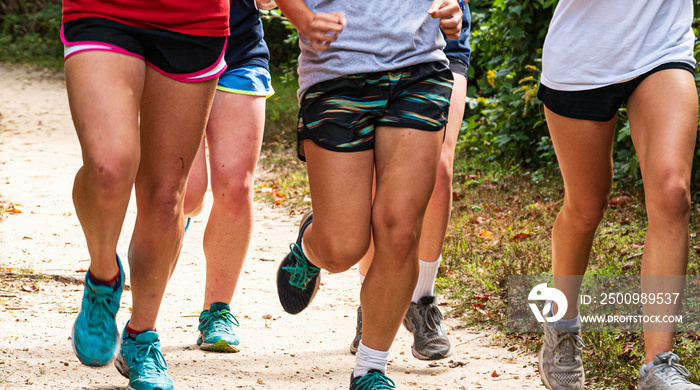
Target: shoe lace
pixel 300 274
pixel 432 317
pixel 151 359
pixel 220 321
pixel 101 303
pixel 676 374
pixel 374 380
pixel 568 344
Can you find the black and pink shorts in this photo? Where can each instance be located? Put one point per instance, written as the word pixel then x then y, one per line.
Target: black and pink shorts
pixel 182 57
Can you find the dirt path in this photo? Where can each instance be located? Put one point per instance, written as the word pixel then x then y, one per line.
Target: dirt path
pixel 39 155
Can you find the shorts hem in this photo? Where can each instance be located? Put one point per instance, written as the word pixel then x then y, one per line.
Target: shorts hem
pixel 265 94
pixel 431 129
pixel 578 116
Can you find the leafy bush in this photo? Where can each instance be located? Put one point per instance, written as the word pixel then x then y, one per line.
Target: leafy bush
pixel 504 119
pixel 30 32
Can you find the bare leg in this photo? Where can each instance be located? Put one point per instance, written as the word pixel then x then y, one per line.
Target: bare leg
pixel 234 134
pixel 584 153
pixel 341 187
pixel 197 183
pixel 663 114
pixel 104 90
pixel 397 217
pixel 173 118
pixel 437 215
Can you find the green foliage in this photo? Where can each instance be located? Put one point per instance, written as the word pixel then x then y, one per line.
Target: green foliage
pixel 507 43
pixel 505 120
pixel 30 32
pixel 282 40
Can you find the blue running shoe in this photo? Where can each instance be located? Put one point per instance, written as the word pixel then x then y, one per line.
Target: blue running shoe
pixel 216 329
pixel 95 335
pixel 297 278
pixel 373 380
pixel 142 362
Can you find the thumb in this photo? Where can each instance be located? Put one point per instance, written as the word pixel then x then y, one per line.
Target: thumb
pixel 435 6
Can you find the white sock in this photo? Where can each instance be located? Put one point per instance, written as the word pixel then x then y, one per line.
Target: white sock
pixel 302 246
pixel 369 359
pixel 647 366
pixel 362 277
pixel 426 279
pixel 571 322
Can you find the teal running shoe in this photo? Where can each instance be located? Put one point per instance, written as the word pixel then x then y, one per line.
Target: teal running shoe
pixel 142 362
pixel 373 380
pixel 95 335
pixel 216 329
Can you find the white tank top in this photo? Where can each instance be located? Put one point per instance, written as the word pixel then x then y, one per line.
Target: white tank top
pixel 594 43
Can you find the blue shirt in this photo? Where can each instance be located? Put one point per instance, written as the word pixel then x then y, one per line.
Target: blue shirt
pixel 245 44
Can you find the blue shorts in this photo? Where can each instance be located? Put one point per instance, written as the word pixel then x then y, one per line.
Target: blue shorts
pixel 246 80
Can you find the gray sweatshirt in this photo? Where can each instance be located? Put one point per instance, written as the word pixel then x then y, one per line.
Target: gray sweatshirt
pixel 380 35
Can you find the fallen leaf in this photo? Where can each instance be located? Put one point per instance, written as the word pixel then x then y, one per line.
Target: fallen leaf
pixel 521 237
pixel 494 374
pixel 486 233
pixel 620 200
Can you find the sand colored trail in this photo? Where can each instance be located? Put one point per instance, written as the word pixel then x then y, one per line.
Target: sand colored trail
pixel 39 155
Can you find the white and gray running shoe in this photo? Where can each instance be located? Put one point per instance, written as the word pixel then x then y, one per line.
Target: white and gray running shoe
pixel 429 340
pixel 560 363
pixel 666 374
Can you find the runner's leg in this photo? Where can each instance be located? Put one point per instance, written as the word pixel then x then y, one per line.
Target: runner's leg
pixel 173 119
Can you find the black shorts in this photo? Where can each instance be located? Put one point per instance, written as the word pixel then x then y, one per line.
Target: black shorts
pixel 458 66
pixel 599 104
pixel 342 114
pixel 179 56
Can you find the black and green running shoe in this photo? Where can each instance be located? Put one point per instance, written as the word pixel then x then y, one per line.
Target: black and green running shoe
pixel 297 278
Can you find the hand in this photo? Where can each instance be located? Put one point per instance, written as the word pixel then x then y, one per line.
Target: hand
pixel 324 29
pixel 450 17
pixel 265 4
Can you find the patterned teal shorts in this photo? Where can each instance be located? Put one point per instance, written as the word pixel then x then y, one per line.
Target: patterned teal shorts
pixel 342 114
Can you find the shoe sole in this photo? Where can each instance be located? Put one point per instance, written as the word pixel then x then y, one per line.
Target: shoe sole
pixel 121 366
pixel 220 346
pixel 353 348
pixel 545 382
pixel 435 356
pixel 420 356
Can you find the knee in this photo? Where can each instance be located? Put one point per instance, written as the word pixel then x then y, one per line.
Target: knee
pixel 112 175
pixel 671 200
pixel 341 254
pixel 396 234
pixel 162 201
pixel 234 192
pixel 585 215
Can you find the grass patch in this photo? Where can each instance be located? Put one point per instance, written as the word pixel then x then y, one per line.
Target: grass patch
pixel 501 226
pixel 284 183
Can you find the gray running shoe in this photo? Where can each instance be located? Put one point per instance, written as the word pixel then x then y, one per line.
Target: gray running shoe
pixel 358 332
pixel 429 340
pixel 561 367
pixel 666 374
